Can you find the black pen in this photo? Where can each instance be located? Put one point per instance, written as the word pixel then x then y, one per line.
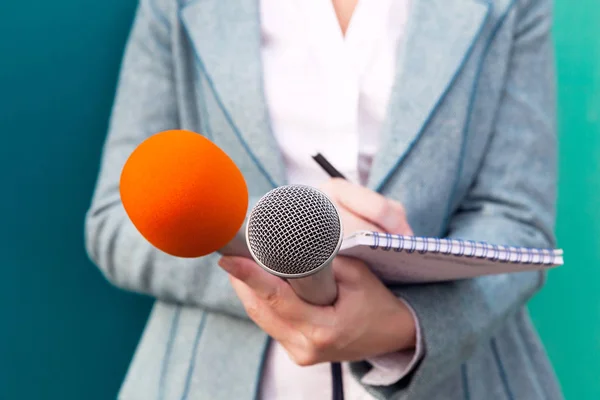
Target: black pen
pixel 326 165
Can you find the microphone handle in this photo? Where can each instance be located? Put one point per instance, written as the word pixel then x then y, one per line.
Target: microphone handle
pixel 319 288
pixel 237 247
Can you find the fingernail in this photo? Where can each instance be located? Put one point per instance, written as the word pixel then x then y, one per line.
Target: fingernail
pixel 226 263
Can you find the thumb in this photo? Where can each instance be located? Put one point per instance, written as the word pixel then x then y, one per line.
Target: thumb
pixel 249 272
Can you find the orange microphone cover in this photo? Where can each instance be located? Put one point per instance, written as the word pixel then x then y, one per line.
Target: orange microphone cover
pixel 183 193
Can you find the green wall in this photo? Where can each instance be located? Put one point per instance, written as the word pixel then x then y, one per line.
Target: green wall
pixel 67 334
pixel 567 311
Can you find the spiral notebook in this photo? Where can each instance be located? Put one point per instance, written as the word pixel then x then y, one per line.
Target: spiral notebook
pixel 409 259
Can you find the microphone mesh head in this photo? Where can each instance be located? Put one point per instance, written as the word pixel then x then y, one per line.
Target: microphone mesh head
pixel 293 230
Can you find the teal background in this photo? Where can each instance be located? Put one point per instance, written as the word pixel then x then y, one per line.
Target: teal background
pixel 567 311
pixel 67 334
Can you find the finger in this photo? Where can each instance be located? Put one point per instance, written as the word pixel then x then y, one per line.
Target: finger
pixel 353 223
pixel 294 341
pixel 372 206
pixel 274 291
pixel 265 317
pixel 264 284
pixel 351 272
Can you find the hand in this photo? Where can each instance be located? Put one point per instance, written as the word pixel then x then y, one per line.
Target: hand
pixel 367 319
pixel 363 209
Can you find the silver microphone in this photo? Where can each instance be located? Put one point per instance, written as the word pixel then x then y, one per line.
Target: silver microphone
pixel 294 232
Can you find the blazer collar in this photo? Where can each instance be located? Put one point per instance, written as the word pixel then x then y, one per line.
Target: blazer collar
pixel 437 41
pixel 226 36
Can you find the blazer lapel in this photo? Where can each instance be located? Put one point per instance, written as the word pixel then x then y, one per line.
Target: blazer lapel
pixel 226 37
pixel 438 39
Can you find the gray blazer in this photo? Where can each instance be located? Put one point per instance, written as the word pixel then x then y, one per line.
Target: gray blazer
pixel 469 148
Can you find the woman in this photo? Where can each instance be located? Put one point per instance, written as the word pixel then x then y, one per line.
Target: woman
pixel 442 114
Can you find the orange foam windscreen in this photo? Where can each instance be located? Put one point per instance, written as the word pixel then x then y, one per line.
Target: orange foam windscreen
pixel 183 193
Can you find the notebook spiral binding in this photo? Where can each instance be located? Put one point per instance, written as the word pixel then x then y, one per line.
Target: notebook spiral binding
pixel 466 248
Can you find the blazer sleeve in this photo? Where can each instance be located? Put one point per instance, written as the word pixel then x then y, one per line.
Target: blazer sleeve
pixel 512 201
pixel 146 104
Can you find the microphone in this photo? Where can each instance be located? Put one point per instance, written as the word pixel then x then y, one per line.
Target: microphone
pixel 184 194
pixel 188 199
pixel 294 232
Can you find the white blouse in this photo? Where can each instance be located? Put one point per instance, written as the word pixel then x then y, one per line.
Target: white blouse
pixel 328 92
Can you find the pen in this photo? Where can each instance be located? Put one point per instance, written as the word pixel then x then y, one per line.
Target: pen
pixel 326 165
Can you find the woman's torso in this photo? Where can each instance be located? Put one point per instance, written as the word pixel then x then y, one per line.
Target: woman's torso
pixel 442 107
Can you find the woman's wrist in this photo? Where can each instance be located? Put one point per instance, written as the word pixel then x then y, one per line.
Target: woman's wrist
pixel 403 327
pixel 396 330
